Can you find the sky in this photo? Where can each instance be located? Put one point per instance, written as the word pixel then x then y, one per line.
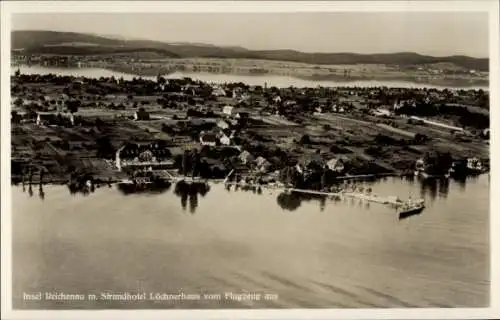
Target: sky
pixel 432 33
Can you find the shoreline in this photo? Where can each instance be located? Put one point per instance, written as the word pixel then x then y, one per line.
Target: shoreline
pixel 361 177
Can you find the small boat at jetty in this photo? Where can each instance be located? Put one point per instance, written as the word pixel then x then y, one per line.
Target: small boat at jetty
pixel 411 208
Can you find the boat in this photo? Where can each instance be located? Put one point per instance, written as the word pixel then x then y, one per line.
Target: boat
pixel 411 208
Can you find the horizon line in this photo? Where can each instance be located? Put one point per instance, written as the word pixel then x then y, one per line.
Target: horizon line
pixel 124 38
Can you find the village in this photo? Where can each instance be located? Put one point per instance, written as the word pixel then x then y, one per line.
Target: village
pixel 306 138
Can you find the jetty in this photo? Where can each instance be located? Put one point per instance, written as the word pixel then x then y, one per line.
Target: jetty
pixel 386 200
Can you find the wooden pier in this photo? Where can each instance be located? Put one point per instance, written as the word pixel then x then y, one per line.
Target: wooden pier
pixel 394 201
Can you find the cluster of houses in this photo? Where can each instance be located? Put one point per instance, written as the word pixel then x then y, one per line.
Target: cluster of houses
pixel 216 137
pixel 471 165
pixel 225 129
pixel 260 163
pixel 44 118
pixel 54 118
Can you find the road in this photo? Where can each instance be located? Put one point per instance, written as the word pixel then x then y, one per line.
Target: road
pixel 396 130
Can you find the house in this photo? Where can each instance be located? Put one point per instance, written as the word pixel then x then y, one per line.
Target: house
pixel 486 133
pixel 143 154
pixel 79 80
pixel 237 92
pixel 228 110
pixel 246 157
pixel 201 108
pixel 52 118
pixel 141 114
pixel 232 122
pixel 263 165
pixel 208 139
pixel 474 164
pixel 336 165
pixel 313 162
pixel 397 105
pixel 223 124
pixel 277 99
pixel 224 136
pixel 219 92
pixel 420 165
pixel 46 118
pixel 225 140
pixel 299 168
pixel 18 116
pixel 380 112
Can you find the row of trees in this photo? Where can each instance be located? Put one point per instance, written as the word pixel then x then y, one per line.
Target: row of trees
pixel 465 116
pixel 438 163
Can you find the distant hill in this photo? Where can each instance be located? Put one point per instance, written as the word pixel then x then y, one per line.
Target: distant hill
pixel 45 42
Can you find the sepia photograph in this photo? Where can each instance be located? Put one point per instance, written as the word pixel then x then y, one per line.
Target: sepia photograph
pixel 175 157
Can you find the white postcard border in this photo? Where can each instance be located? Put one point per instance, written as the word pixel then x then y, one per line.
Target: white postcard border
pixel 10 7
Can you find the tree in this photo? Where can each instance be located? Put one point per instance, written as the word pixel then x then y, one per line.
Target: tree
pixel 305 139
pixel 73 106
pixel 420 138
pixel 186 163
pixel 18 102
pixel 104 147
pixel 195 162
pixel 160 79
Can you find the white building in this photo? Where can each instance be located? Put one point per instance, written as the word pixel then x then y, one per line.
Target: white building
pixel 228 110
pixel 222 124
pixel 246 157
pixel 225 140
pixel 45 118
pixel 336 165
pixel 382 112
pixel 219 92
pixel 207 139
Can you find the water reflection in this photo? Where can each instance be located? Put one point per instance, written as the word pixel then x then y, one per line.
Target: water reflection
pixel 75 189
pixel 434 187
pixel 154 187
pixel 289 201
pixel 41 193
pixel 444 187
pixel 462 181
pixel 428 187
pixel 255 189
pixel 188 192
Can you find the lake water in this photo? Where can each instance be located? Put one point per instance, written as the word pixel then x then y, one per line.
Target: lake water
pixel 310 254
pixel 271 80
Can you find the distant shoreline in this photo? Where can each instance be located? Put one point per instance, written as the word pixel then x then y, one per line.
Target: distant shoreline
pixel 142 71
pixel 439 81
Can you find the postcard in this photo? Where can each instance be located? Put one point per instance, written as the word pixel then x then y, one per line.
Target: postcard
pixel 255 160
